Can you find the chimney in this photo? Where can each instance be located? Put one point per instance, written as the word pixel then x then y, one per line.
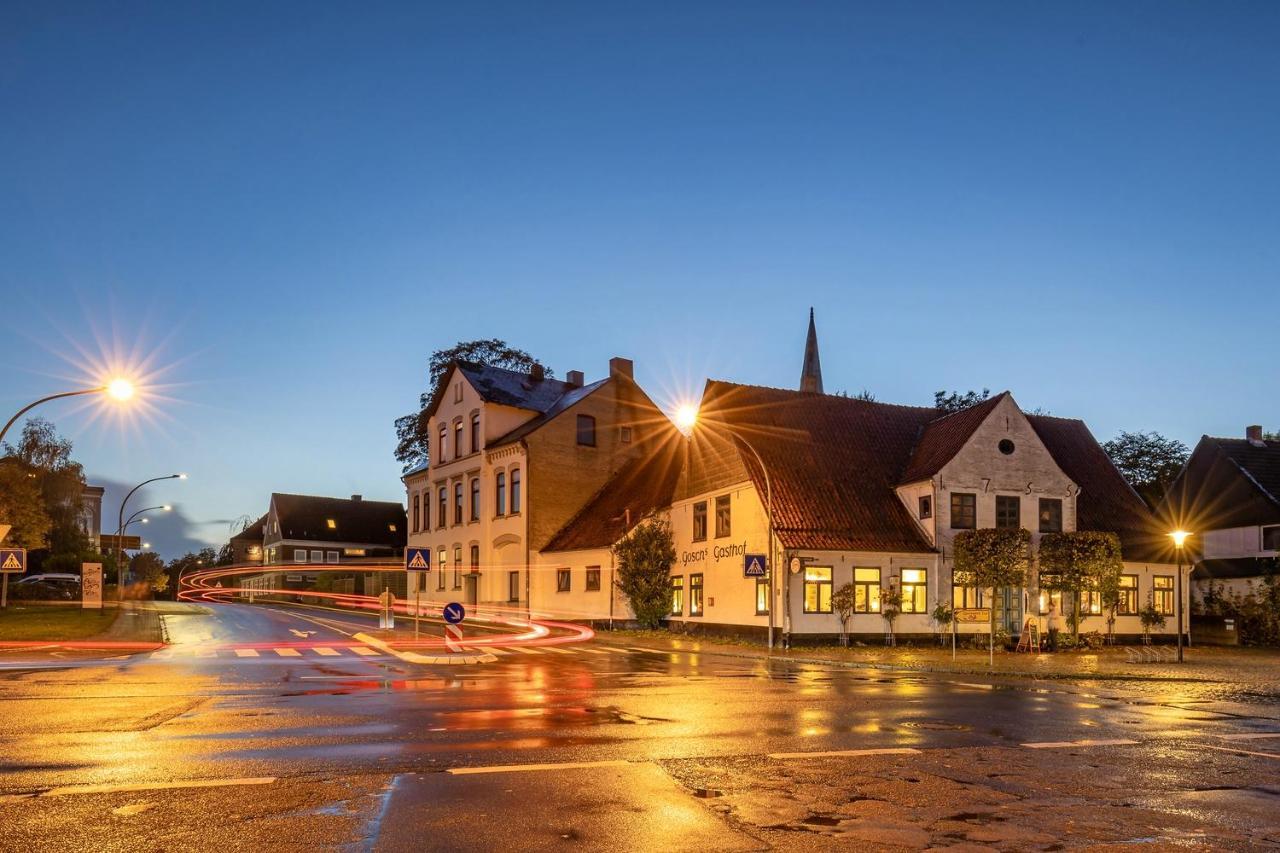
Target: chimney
pixel 1253 432
pixel 575 378
pixel 357 497
pixel 624 366
pixel 537 373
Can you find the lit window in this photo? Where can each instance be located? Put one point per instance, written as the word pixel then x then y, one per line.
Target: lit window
pixel 1090 602
pixel 695 595
pixel 915 590
pixel 926 506
pixel 1050 515
pixel 866 590
pixel 965 597
pixel 1128 604
pixel 331 523
pixel 1162 594
pixel 762 596
pixel 391 527
pixel 677 596
pixel 817 589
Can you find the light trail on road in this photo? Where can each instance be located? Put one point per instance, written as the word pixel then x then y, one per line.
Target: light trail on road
pixel 206 586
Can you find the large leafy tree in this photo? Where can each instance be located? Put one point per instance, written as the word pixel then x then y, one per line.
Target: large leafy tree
pixel 189 562
pixel 645 556
pixel 992 558
pixel 22 506
pixel 1073 561
pixel 946 403
pixel 148 568
pixel 413 444
pixel 1149 461
pixel 54 481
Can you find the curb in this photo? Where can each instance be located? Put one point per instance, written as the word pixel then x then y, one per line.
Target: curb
pixel 414 657
pixel 944 670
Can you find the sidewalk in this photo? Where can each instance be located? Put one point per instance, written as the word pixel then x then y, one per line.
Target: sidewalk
pixel 1255 670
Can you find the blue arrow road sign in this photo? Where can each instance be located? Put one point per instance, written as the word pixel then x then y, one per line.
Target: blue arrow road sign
pixel 753 566
pixel 13 560
pixel 417 559
pixel 454 613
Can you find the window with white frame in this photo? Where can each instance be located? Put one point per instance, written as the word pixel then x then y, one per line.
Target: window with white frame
pixel 300 555
pixel 331 556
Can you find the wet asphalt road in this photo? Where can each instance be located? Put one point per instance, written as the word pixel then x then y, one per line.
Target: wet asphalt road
pixel 337 748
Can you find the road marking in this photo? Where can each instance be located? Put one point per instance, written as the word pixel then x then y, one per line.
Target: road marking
pixel 162 655
pixel 1238 751
pixel 363 650
pixel 613 651
pixel 325 651
pixel 205 653
pixel 246 653
pixel 522 768
pixel 1064 744
pixel 522 650
pixel 1250 736
pixel 288 653
pixel 557 650
pixel 70 790
pixel 842 753
pixel 494 650
pixel 320 622
pixel 976 686
pixel 591 651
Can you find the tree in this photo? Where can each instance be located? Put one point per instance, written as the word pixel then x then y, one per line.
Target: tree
pixel 413 443
pixel 991 558
pixel 890 608
pixel 1073 561
pixel 147 568
pixel 52 520
pixel 645 556
pixel 22 506
pixel 955 401
pixel 1149 461
pixel 189 562
pixel 843 601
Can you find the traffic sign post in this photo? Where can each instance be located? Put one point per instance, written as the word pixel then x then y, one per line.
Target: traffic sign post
pixel 453 614
pixel 754 566
pixel 13 561
pixel 417 559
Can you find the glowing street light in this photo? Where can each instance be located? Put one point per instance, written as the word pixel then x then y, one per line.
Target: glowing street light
pixel 1179 538
pixel 119 389
pixel 687 417
pixel 122 525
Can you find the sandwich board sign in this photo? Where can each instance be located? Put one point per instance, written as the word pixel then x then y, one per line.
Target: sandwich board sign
pixel 91 586
pixel 753 566
pixel 417 559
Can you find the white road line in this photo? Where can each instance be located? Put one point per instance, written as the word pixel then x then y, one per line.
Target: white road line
pixel 363 650
pixel 614 650
pixel 493 650
pixel 288 653
pixel 1238 751
pixel 322 623
pixel 522 650
pixel 246 653
pixel 975 686
pixel 591 651
pixel 205 653
pixel 1064 744
pixel 523 768
pixel 841 753
pixel 1250 736
pixel 557 650
pixel 325 651
pixel 152 786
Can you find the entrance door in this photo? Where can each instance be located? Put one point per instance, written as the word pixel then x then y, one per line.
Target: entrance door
pixel 1009 610
pixel 472 581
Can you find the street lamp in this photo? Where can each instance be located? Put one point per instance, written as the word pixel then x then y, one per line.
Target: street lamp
pixel 687 420
pixel 120 529
pixel 118 389
pixel 1179 538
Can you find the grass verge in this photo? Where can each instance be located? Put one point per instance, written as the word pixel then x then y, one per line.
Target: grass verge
pixel 54 623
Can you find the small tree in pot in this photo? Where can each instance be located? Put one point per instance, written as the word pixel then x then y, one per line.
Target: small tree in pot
pixel 890 607
pixel 843 602
pixel 943 615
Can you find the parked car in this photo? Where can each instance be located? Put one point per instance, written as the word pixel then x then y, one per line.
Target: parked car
pixel 50 577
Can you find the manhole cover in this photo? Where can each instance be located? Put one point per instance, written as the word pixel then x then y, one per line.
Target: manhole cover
pixel 935 726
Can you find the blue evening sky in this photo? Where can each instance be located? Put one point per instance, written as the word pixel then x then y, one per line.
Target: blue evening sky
pixel 287 207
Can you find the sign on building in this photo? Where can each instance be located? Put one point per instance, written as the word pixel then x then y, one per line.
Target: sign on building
pixel 91 586
pixel 753 566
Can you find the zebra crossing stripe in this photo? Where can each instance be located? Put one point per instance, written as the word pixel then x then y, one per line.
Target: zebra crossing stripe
pixel 288 653
pixel 558 650
pixel 205 653
pixel 522 650
pixel 325 651
pixel 246 653
pixel 363 650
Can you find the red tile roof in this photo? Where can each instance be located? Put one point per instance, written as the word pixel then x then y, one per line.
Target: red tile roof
pixel 943 437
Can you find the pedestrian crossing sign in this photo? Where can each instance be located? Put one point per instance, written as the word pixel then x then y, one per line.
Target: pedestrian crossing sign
pixel 13 560
pixel 753 566
pixel 417 559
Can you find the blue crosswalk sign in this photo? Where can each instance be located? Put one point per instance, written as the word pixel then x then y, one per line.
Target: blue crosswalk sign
pixel 753 566
pixel 13 560
pixel 417 559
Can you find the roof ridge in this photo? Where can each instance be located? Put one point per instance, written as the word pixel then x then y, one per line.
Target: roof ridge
pixel 840 397
pixel 1266 493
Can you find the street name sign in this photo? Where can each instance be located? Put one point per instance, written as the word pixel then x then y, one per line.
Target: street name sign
pixel 973 614
pixel 110 542
pixel 454 613
pixel 13 561
pixel 417 559
pixel 753 566
pixel 91 586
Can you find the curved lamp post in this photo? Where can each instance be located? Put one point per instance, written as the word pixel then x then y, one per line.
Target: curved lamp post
pixel 119 389
pixel 120 529
pixel 687 419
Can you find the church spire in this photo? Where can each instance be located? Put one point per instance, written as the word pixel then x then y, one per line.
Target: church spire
pixel 811 373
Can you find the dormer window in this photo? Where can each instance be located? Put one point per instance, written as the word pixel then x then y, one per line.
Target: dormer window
pixel 926 506
pixel 330 523
pixel 391 527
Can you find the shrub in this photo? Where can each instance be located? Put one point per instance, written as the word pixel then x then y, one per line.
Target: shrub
pixel 645 556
